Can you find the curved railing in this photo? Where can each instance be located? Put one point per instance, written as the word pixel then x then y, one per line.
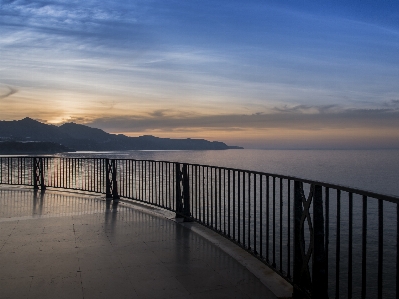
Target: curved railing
pixel 326 240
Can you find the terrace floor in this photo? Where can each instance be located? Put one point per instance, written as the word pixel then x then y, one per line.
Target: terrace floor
pixel 75 245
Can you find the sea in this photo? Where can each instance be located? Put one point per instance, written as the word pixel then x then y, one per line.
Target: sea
pixel 371 170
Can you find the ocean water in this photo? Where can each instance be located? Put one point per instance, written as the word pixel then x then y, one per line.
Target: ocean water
pixel 372 170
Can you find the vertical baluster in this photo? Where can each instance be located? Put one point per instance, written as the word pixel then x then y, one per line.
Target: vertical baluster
pixel 9 170
pixel 350 245
pixel 89 174
pixel 274 222
pixel 146 197
pixel 202 198
pixel 163 174
pixel 129 178
pixel 397 250
pixel 211 197
pixel 228 202
pixel 220 199
pixel 364 244
pixel 63 172
pixel 124 181
pixel 138 173
pixel 243 209
pixel 151 180
pixel 239 206
pixel 234 205
pixel 143 179
pixel 224 201
pixel 380 245
pixel 82 173
pixel 289 229
pixel 198 190
pixel 338 244
pixel 19 171
pixel 134 179
pixel 267 218
pixel 249 210
pixel 56 180
pixel 171 186
pixel 327 226
pixel 69 173
pixel 216 199
pixel 207 196
pixel 204 214
pixel 154 182
pixel 261 216
pixel 160 184
pixel 255 251
pixel 281 224
pixel 76 175
pixel 18 181
pixel 197 210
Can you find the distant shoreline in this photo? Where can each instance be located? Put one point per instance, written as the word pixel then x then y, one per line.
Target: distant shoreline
pixel 79 137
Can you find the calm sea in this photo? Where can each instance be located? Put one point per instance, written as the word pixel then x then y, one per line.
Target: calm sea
pixel 373 170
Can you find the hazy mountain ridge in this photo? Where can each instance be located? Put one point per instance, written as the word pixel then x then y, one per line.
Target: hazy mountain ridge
pixel 31 147
pixel 81 137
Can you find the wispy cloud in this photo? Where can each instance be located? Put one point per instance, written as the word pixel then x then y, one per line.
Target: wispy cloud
pixel 11 91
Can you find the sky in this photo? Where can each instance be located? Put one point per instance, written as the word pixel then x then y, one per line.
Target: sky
pixel 272 74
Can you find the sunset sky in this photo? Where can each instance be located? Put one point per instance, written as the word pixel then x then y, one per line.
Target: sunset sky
pixel 259 74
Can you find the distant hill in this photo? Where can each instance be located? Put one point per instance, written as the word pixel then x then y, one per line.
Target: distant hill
pixel 83 138
pixel 31 147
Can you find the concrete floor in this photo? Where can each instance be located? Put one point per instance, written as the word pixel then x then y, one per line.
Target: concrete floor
pixel 70 245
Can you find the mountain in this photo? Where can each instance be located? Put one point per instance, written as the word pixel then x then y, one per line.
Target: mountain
pixel 31 147
pixel 81 138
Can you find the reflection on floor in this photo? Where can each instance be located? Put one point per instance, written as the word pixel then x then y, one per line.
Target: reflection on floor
pixel 66 245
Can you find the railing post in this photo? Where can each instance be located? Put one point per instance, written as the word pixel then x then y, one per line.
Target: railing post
pixel 304 285
pixel 320 279
pixel 34 174
pixel 186 192
pixel 301 275
pixel 108 187
pixel 182 192
pixel 38 174
pixel 111 183
pixel 115 195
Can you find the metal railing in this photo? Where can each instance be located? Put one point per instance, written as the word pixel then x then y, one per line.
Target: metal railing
pixel 328 241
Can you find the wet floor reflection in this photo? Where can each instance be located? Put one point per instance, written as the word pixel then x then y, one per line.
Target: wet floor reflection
pixel 111 213
pixel 90 246
pixel 37 203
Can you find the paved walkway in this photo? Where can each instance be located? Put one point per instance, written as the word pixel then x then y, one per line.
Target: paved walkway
pixel 70 245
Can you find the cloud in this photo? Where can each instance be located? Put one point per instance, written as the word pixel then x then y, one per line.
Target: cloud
pixel 295 118
pixel 392 104
pixel 307 109
pixel 11 91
